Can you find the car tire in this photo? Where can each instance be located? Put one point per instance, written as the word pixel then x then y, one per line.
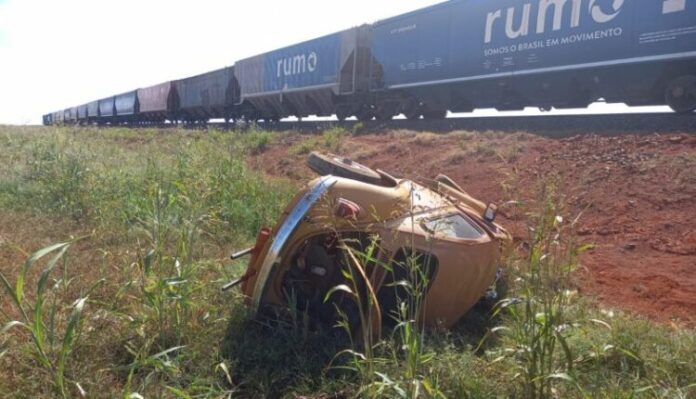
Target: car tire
pixel 330 164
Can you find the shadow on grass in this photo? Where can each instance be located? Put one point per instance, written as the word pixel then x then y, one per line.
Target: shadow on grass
pixel 275 359
pixel 473 330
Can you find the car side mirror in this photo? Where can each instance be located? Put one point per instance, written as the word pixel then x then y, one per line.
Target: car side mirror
pixel 491 213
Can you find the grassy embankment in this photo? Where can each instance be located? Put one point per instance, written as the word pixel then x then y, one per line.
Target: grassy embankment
pixel 130 304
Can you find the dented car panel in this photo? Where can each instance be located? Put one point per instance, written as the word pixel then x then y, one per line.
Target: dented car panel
pixel 445 226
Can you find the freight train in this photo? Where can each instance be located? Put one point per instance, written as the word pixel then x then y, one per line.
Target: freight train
pixel 454 56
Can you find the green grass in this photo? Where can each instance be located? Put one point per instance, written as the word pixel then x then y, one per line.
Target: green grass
pixel 331 141
pixel 131 306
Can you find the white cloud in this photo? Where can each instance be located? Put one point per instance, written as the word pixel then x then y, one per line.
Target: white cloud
pixel 63 53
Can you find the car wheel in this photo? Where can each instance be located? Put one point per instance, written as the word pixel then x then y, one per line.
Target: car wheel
pixel 330 164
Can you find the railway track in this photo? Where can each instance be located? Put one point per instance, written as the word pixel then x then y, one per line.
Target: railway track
pixel 546 125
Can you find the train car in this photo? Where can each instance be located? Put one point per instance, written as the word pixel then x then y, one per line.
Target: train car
pixel 211 95
pixel 47 119
pixel 70 115
pixel 126 107
pixel 158 103
pixel 57 118
pixel 82 114
pixel 93 112
pixel 456 56
pixel 506 54
pixel 307 78
pixel 107 110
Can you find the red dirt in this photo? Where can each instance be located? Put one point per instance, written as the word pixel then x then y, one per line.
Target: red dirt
pixel 636 196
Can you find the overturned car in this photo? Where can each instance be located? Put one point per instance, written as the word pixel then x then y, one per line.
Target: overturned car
pixel 397 232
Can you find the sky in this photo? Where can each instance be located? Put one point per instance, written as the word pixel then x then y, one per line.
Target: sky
pixel 56 54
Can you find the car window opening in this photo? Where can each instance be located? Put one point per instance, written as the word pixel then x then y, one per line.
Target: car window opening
pixel 454 226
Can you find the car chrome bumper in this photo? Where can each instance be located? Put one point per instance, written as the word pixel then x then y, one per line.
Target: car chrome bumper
pixel 285 231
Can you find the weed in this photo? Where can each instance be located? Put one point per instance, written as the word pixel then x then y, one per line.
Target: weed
pixel 358 128
pixel 511 154
pixel 483 150
pixel 256 141
pixel 538 321
pixel 684 167
pixel 63 176
pixel 304 147
pixel 167 207
pixel 331 140
pixel 425 139
pixel 410 272
pixel 42 318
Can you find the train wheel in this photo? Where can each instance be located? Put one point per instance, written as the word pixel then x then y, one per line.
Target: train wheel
pixel 412 115
pixel 365 115
pixel 412 110
pixel 681 94
pixel 342 114
pixel 383 116
pixel 435 114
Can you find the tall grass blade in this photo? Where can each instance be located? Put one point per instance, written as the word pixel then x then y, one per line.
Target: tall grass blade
pixel 39 328
pixel 9 326
pixel 13 294
pixel 19 289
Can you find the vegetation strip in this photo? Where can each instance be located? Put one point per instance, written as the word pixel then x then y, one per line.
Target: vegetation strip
pixel 129 305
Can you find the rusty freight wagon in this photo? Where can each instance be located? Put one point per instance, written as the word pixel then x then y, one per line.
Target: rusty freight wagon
pixel 208 96
pixel 158 103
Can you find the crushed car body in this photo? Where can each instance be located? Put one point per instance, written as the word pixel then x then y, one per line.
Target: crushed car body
pixel 449 237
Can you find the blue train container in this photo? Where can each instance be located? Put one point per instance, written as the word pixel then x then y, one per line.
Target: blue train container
pixel 301 79
pixel 93 110
pixel 454 56
pixel 70 115
pixel 126 105
pixel 57 118
pixel 82 113
pixel 107 109
pixel 568 44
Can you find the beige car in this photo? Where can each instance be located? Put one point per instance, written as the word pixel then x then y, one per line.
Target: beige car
pixel 439 229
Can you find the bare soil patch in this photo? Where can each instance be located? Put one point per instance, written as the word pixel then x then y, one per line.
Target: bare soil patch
pixel 636 196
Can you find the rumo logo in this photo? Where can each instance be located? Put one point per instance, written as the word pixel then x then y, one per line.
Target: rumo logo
pixel 298 64
pixel 672 6
pixel 518 20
